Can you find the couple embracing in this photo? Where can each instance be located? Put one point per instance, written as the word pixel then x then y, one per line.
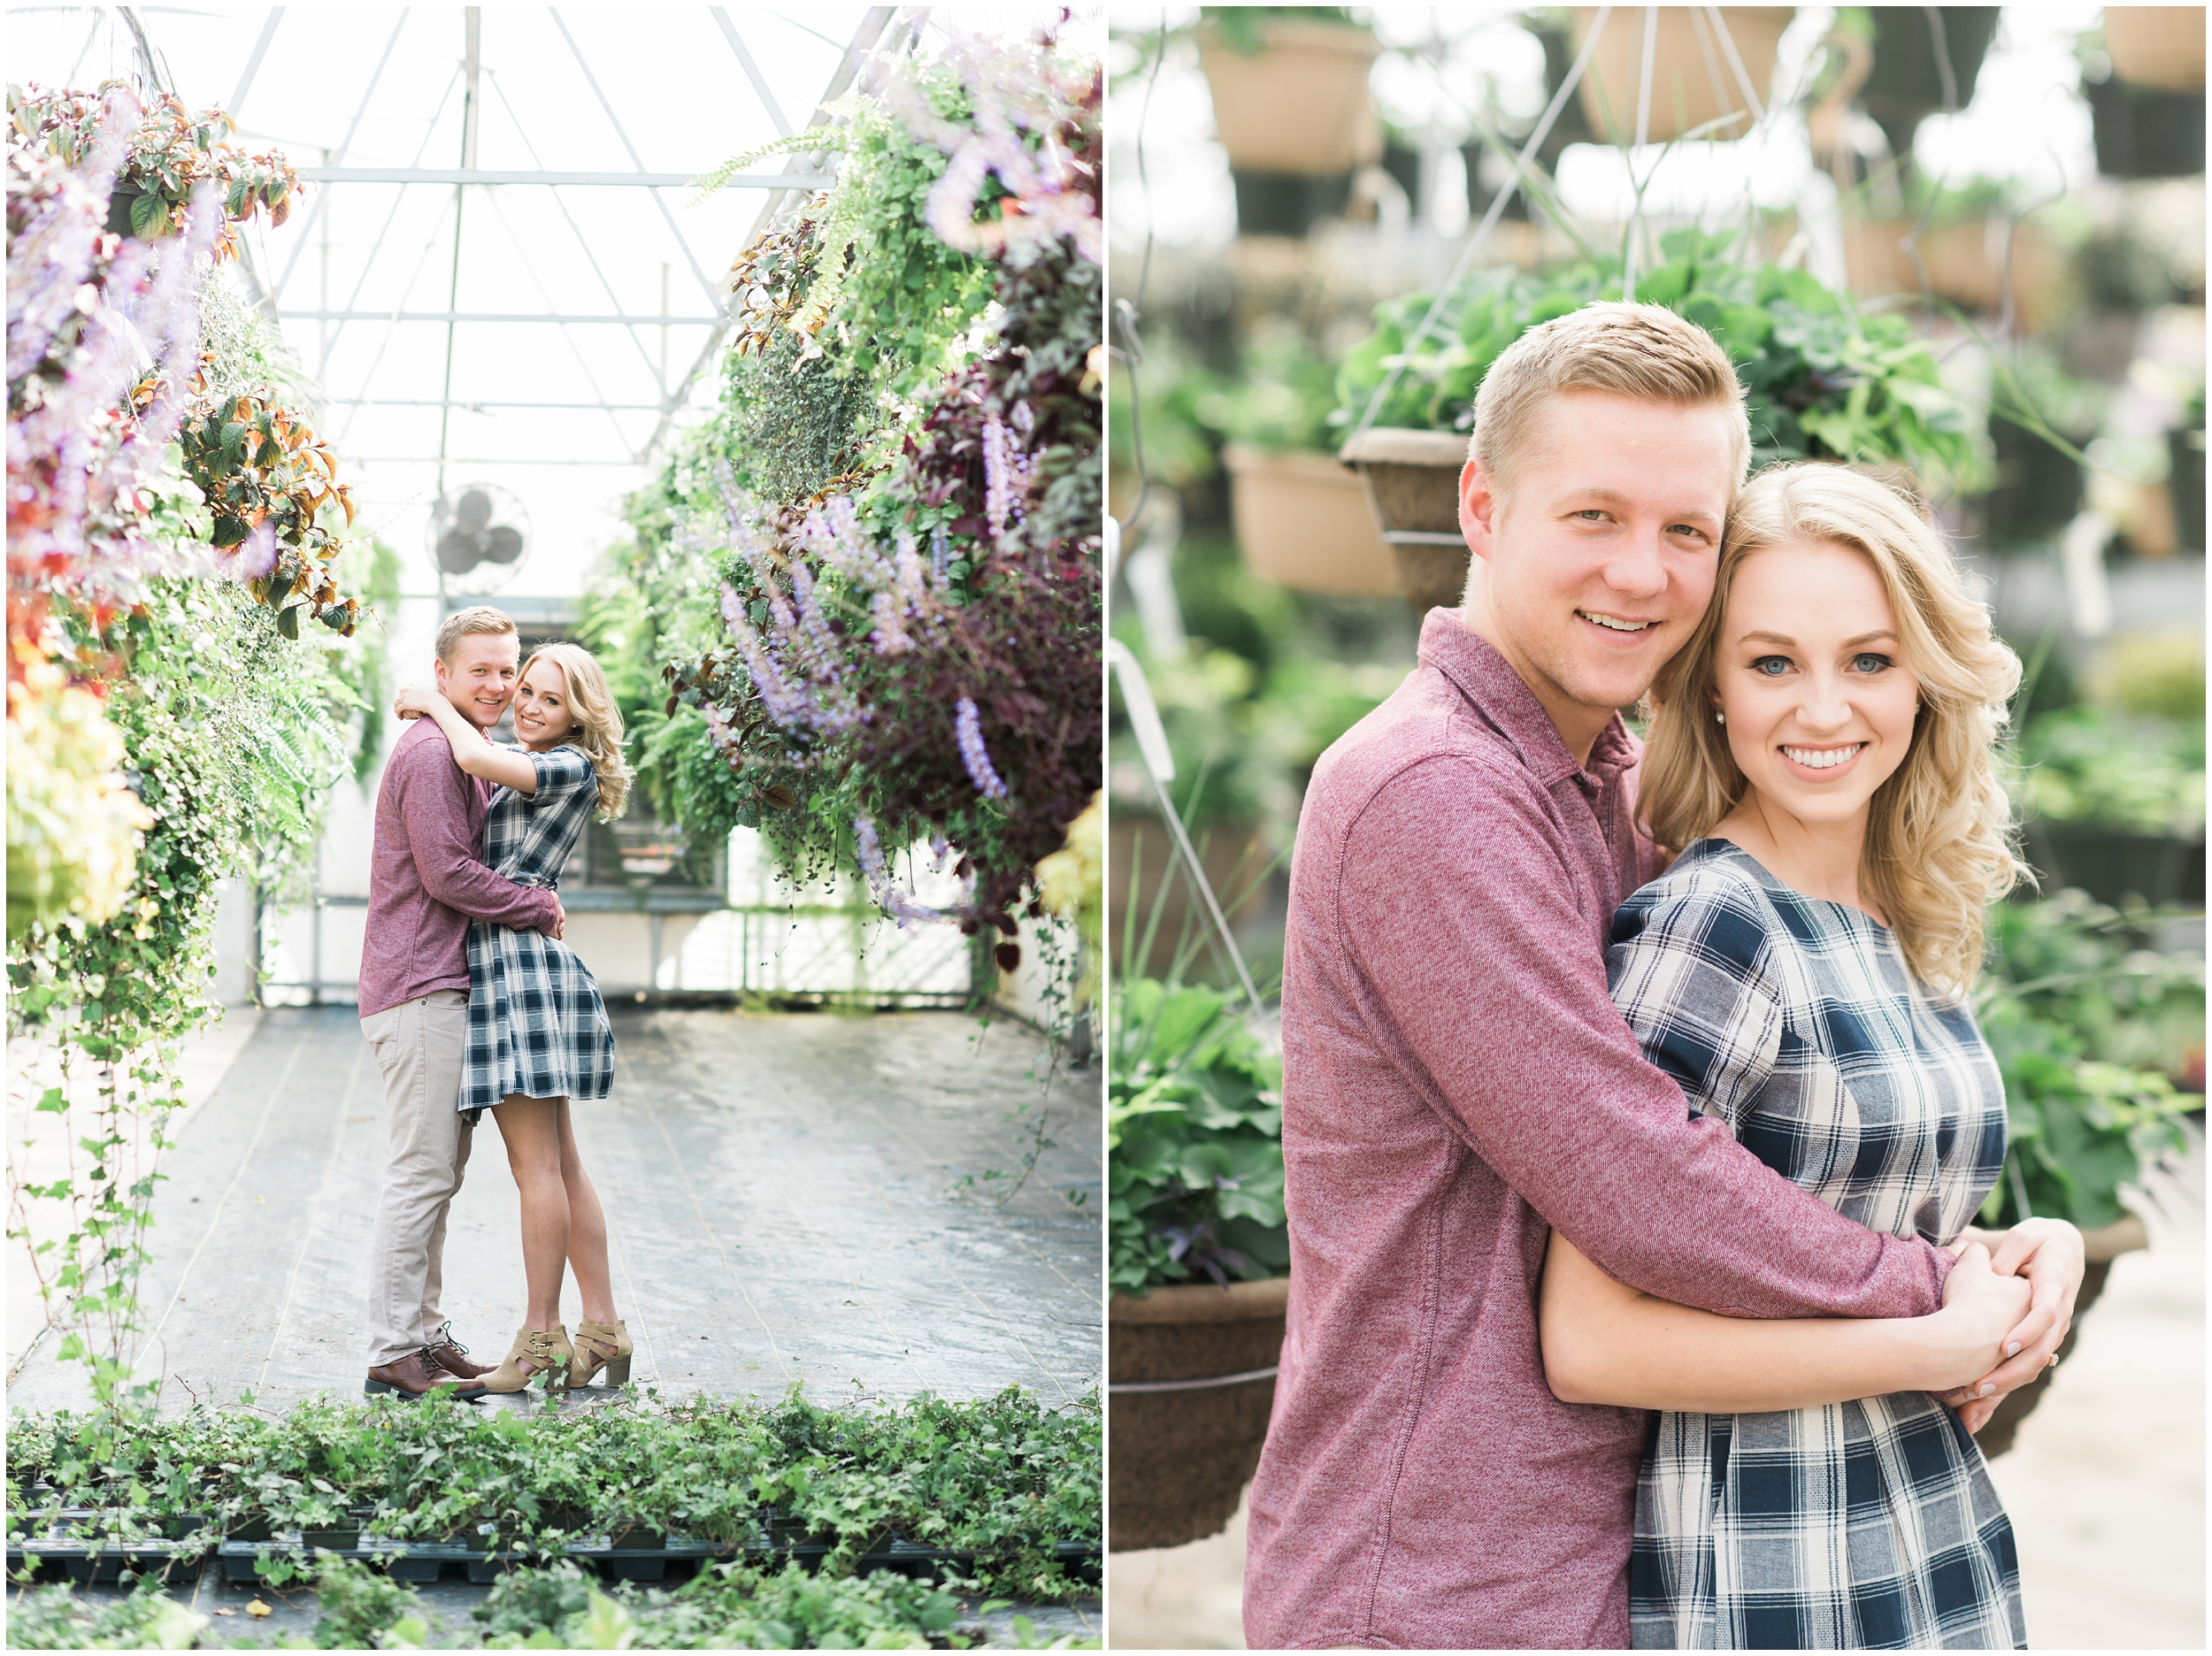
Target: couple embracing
pixel 1634 1114
pixel 470 1000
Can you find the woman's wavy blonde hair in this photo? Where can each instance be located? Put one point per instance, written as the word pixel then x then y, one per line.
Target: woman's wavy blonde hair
pixel 598 721
pixel 1940 837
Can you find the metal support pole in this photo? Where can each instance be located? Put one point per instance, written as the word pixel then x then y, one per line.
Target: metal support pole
pixel 253 63
pixel 337 156
pixel 473 25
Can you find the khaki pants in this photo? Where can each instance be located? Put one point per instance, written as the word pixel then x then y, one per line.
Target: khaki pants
pixel 420 1046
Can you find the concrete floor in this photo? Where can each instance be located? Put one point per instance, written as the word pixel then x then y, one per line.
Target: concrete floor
pixel 792 1197
pixel 2104 1483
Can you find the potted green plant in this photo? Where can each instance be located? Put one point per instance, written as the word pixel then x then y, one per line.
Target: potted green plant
pixel 2114 806
pixel 1199 1252
pixel 1692 81
pixel 1824 380
pixel 2086 1023
pixel 1291 107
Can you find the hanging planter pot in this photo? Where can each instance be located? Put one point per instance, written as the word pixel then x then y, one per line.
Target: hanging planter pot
pixel 2037 491
pixel 1299 105
pixel 2159 47
pixel 1302 520
pixel 2101 1247
pixel 2186 449
pixel 1412 483
pixel 1692 79
pixel 1191 1381
pixel 2113 864
pixel 2143 134
pixel 1904 82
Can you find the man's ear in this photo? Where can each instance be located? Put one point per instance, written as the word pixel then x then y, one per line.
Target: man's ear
pixel 1479 508
pixel 437 672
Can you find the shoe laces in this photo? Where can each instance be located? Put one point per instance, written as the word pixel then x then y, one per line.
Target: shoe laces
pixel 445 1339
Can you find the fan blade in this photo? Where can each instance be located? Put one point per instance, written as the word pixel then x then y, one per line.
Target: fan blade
pixel 459 551
pixel 502 544
pixel 474 510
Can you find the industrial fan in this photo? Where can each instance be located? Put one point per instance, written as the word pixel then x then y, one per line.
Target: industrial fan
pixel 479 536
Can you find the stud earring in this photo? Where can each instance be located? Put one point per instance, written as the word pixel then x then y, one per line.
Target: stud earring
pixel 1719 718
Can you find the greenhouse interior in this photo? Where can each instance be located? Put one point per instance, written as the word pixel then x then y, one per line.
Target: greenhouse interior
pixel 1964 242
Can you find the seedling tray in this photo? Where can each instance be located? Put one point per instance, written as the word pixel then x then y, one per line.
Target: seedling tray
pixel 640 1556
pixel 72 1544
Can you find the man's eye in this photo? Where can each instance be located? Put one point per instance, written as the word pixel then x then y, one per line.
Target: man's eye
pixel 1772 666
pixel 1871 662
pixel 1591 514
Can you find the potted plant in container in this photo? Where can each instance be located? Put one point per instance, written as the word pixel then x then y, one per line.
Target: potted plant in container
pixel 1823 381
pixel 1199 1257
pixel 1291 107
pixel 2115 806
pixel 2068 991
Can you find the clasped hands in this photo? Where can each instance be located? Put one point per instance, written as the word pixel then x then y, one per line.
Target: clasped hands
pixel 2048 1254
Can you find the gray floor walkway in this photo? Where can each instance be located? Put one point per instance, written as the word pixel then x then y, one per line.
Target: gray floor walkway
pixel 791 1197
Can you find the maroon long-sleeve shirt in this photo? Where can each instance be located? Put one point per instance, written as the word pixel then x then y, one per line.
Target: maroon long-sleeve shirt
pixel 424 882
pixel 1454 1081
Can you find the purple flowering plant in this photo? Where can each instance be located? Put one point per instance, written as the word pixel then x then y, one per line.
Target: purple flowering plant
pixel 903 651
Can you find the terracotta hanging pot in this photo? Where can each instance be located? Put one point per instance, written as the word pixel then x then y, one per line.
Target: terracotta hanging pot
pixel 1299 105
pixel 1302 520
pixel 1692 79
pixel 2160 47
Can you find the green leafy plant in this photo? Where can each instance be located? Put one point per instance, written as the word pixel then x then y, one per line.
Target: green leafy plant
pixel 1193 1138
pixel 2137 776
pixel 1823 379
pixel 996 1483
pixel 2085 1025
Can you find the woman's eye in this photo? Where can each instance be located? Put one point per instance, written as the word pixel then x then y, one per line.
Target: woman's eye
pixel 1870 663
pixel 1771 666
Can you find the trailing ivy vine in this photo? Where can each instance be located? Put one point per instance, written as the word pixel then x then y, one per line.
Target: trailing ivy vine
pixel 170 527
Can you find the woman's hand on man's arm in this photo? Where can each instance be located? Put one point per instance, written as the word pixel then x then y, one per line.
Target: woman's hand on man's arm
pixel 2048 1254
pixel 1605 1343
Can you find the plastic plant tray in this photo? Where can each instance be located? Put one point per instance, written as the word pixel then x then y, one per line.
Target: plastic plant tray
pixel 71 1541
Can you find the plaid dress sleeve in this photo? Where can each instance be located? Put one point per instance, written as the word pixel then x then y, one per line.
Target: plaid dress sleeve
pixel 1866 1525
pixel 1690 968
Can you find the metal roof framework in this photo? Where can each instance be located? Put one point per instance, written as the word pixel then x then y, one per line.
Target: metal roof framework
pixel 515 233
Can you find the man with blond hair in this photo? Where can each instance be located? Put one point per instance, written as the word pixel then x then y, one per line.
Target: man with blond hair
pixel 426 884
pixel 1456 1080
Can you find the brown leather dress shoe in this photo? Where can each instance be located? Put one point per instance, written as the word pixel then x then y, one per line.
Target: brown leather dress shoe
pixel 449 1355
pixel 416 1376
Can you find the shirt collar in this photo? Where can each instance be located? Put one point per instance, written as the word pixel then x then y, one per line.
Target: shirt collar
pixel 1509 707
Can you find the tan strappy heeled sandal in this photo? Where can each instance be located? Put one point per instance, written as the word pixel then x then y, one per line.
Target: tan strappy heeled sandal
pixel 535 1354
pixel 602 1345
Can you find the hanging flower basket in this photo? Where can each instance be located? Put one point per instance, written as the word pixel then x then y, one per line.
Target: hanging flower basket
pixel 2142 132
pixel 1299 105
pixel 1692 79
pixel 1412 482
pixel 1181 1455
pixel 2102 1247
pixel 1302 520
pixel 2160 47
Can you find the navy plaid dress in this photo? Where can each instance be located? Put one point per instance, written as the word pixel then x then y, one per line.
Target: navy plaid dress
pixel 536 1025
pixel 1869 1525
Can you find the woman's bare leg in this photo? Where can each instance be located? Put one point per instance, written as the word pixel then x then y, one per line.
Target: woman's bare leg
pixel 531 1128
pixel 586 1229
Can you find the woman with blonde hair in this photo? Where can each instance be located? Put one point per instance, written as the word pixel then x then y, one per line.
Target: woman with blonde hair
pixel 538 1034
pixel 1821 751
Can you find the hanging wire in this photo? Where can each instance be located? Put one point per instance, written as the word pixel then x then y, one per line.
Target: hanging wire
pixel 1481 235
pixel 1128 314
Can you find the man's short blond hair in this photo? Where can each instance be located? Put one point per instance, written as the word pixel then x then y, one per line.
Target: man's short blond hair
pixel 476 618
pixel 1644 352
